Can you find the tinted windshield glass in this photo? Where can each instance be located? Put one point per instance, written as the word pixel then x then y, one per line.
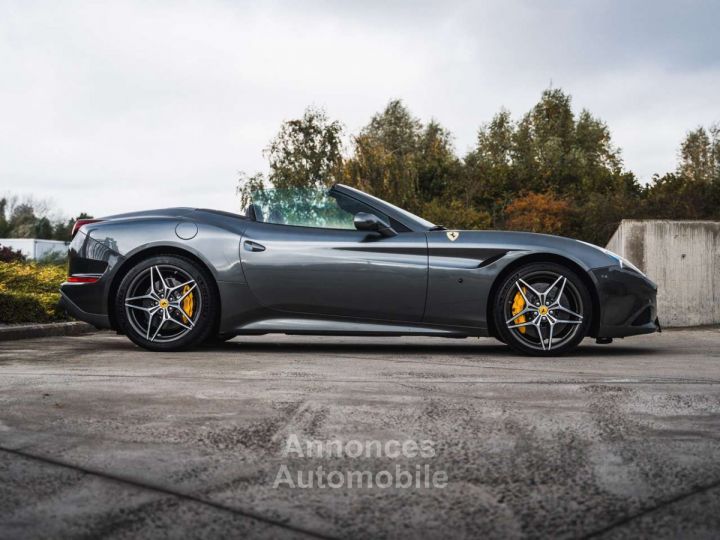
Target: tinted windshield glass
pixel 302 207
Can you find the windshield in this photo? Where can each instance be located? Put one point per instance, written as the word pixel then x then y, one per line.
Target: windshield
pixel 307 207
pixel 327 208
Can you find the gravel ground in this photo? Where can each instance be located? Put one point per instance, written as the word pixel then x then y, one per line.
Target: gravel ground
pixel 101 439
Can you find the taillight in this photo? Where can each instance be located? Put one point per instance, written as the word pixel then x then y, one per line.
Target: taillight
pixel 79 223
pixel 82 279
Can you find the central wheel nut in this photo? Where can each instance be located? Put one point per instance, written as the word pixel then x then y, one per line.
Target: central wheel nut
pixel 543 310
pixel 164 303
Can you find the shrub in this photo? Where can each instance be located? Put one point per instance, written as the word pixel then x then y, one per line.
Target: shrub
pixel 21 307
pixel 32 278
pixel 29 292
pixel 8 254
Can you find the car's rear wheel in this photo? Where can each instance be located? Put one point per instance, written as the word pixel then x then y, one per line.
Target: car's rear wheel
pixel 542 309
pixel 166 303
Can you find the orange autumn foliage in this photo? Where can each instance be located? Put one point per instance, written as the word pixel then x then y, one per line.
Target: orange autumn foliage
pixel 539 212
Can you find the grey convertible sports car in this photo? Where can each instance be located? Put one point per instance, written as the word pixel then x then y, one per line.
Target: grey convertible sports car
pixel 340 261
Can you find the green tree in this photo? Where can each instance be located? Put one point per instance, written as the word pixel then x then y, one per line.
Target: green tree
pixel 549 150
pixel 62 230
pixel 492 171
pixel 693 190
pixel 385 159
pixel 43 229
pixel 700 155
pixel 437 165
pixel 22 221
pixel 550 125
pixel 4 226
pixel 559 152
pixel 398 158
pixel 552 170
pixel 307 152
pixel 672 196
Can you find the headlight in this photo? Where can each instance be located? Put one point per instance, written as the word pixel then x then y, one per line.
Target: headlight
pixel 622 261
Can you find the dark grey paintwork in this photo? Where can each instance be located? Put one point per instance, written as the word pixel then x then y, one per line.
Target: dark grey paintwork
pixel 281 278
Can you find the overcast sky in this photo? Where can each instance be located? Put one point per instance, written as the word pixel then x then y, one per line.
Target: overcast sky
pixel 110 107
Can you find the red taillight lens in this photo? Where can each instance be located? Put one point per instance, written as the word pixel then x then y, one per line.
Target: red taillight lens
pixel 79 223
pixel 82 279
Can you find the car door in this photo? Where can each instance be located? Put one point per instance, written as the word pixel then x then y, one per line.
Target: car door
pixel 336 271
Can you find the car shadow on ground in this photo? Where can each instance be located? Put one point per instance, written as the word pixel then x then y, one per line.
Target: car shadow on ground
pixel 434 348
pixel 466 347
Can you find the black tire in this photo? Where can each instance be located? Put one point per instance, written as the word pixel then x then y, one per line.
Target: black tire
pixel 567 317
pixel 139 304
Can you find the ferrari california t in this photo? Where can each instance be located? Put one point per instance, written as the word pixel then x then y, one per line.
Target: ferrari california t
pixel 342 262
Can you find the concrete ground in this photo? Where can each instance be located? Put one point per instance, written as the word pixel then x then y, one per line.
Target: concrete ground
pixel 101 439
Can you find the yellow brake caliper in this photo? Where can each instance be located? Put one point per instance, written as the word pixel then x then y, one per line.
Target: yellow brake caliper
pixel 517 307
pixel 189 304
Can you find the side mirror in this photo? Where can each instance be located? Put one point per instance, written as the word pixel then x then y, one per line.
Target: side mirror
pixel 370 222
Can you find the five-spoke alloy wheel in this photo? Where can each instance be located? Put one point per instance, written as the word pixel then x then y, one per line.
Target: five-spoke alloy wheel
pixel 166 303
pixel 542 309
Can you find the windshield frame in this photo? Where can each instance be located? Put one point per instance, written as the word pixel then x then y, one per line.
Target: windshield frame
pixel 410 220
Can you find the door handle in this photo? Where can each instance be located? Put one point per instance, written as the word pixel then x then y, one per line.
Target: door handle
pixel 253 246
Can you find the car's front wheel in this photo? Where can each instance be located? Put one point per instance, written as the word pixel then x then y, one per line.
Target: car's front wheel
pixel 542 309
pixel 166 303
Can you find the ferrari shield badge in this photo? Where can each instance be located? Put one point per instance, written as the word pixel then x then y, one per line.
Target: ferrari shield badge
pixel 453 235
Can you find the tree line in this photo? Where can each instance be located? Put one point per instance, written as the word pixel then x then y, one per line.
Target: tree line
pixel 550 171
pixel 30 219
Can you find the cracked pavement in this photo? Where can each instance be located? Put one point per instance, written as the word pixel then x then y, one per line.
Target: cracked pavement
pixel 99 438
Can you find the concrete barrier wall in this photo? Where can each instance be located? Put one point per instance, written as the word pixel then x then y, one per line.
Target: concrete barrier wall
pixel 683 258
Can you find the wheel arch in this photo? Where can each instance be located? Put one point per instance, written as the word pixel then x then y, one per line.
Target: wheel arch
pixel 153 251
pixel 545 257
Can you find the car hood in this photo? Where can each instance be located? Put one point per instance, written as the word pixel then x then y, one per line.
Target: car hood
pixel 586 255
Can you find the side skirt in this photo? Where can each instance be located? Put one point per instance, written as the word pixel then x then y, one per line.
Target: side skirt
pixel 326 327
